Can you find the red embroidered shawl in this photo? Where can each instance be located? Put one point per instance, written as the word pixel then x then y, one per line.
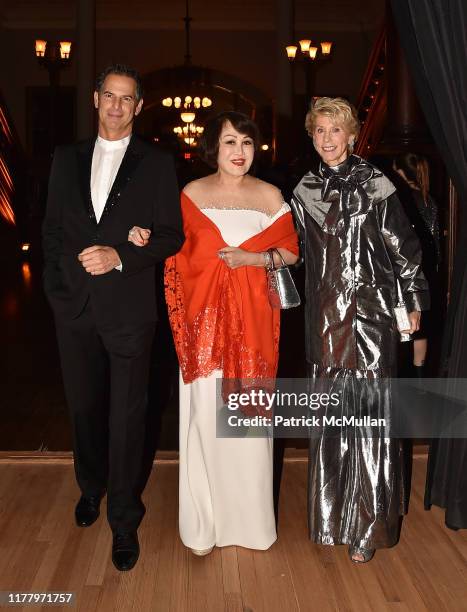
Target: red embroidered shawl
pixel 221 318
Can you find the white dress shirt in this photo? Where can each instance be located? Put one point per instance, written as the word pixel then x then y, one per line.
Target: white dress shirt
pixel 106 160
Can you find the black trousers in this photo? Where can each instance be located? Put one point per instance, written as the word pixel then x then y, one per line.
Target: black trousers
pixel 105 373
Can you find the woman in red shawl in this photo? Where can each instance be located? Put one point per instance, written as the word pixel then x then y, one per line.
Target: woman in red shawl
pixel 224 327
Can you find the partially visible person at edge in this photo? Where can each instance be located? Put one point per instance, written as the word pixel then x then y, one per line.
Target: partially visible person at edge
pixel 224 327
pixel 413 190
pixel 357 245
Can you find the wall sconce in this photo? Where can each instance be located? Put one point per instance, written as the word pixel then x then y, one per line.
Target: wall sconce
pixel 309 51
pixel 41 46
pixel 65 50
pixel 291 52
pixel 312 52
pixel 52 53
pixel 304 45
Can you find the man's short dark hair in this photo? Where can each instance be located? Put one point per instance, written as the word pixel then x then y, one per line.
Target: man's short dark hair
pixel 123 70
pixel 209 141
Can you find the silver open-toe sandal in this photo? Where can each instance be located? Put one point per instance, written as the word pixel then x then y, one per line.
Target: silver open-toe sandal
pixel 366 553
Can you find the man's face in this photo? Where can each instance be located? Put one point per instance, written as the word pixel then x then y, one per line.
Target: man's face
pixel 116 106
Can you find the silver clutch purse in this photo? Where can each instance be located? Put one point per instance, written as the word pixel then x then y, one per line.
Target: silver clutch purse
pixel 402 321
pixel 402 316
pixel 282 292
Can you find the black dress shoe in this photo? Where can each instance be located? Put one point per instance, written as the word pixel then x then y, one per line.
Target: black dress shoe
pixel 125 550
pixel 452 527
pixel 87 510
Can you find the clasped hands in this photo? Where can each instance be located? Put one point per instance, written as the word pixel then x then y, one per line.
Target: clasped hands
pixel 100 259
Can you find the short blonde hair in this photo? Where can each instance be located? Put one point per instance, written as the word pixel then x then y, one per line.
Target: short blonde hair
pixel 338 110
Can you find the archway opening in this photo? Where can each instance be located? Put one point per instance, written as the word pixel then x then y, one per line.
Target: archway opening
pixel 226 91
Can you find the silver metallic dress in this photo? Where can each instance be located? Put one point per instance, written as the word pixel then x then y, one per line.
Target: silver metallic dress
pixel 356 241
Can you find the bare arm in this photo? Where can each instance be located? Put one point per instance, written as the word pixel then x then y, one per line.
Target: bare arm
pixel 236 258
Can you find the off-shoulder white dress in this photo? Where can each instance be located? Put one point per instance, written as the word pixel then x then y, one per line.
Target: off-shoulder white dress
pixel 226 484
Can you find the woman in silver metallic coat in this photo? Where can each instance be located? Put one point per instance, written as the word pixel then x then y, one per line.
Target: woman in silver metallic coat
pixel 361 257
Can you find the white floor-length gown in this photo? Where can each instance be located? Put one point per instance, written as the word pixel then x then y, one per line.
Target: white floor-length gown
pixel 226 484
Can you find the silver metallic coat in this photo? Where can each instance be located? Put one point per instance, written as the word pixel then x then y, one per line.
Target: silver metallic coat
pixel 358 247
pixel 356 241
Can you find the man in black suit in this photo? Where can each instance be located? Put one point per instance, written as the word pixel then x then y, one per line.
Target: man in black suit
pixel 102 291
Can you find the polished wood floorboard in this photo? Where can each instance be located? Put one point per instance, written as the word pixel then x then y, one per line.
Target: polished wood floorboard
pixel 42 550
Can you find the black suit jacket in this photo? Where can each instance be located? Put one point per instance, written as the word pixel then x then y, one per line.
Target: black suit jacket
pixel 144 193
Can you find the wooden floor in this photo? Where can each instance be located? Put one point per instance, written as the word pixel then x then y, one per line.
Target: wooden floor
pixel 42 550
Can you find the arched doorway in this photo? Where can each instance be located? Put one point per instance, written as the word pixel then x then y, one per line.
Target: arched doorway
pixel 227 91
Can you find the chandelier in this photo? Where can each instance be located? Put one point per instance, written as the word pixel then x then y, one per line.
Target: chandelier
pixel 196 101
pixel 192 101
pixel 189 133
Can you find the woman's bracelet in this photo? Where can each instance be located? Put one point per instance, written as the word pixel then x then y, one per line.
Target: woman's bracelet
pixel 268 261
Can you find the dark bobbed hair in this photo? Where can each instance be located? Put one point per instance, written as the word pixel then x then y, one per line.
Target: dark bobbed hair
pixel 209 141
pixel 122 70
